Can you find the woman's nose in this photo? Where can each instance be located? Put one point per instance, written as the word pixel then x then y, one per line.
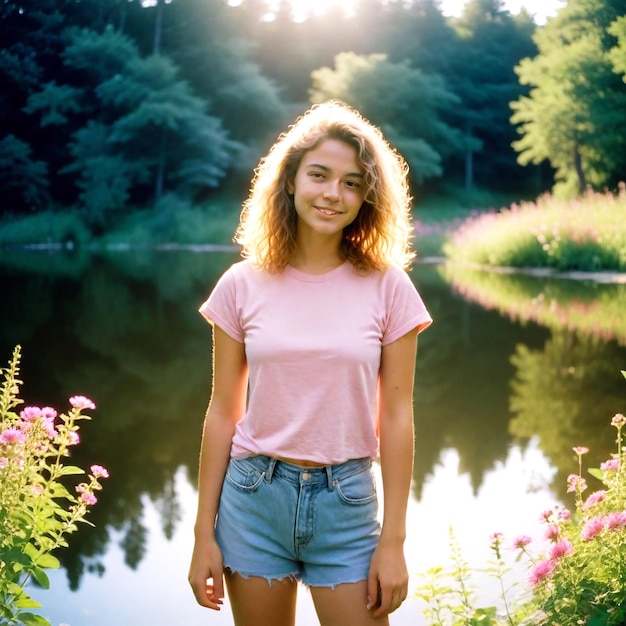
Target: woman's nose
pixel 331 191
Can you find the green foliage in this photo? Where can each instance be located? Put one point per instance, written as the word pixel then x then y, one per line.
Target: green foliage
pixel 37 511
pixel 104 177
pixel 403 101
pixel 174 221
pixel 576 100
pixel 49 228
pixel 587 234
pixel 450 594
pixel 54 103
pixel 618 53
pixel 23 180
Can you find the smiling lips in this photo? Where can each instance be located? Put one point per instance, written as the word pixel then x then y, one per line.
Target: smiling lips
pixel 327 211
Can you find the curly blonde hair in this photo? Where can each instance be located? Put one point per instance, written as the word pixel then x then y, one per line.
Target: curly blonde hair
pixel 380 235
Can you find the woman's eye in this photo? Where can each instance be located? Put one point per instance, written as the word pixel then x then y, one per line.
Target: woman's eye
pixel 352 184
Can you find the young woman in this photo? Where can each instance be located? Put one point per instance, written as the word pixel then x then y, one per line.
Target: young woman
pixel 315 336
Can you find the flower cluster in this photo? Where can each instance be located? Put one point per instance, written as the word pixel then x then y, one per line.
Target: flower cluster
pixel 37 510
pixel 577 577
pixel 581 577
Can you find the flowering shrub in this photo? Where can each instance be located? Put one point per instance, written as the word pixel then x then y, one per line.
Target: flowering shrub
pixel 37 510
pixel 578 578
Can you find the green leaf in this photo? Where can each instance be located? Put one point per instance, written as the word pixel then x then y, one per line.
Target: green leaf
pixel 69 470
pixel 41 577
pixel 596 473
pixel 26 602
pixel 48 561
pixel 30 619
pixel 14 589
pixel 59 491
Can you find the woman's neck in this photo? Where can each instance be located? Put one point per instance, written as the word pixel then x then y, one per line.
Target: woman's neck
pixel 316 261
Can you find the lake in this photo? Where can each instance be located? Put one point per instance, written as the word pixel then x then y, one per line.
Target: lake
pixel 514 372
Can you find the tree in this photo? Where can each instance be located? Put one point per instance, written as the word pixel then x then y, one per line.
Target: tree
pixel 216 58
pixel 161 120
pixel 576 100
pixel 490 43
pixel 23 180
pixel 404 102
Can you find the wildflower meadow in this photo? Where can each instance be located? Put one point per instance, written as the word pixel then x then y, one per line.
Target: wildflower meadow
pixel 37 507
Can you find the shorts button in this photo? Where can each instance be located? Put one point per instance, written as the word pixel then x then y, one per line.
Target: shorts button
pixel 306 476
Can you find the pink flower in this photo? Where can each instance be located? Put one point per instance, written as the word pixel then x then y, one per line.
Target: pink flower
pixel 547 514
pixel 48 426
pixel 564 515
pixel 37 489
pixel 618 420
pixel 86 495
pixel 30 413
pixel 88 498
pixel 592 528
pixel 615 520
pixel 580 450
pixel 540 571
pixel 4 462
pixel 12 435
pixel 521 541
pixel 99 472
pixel 81 402
pixel 593 499
pixel 560 549
pixel 73 438
pixel 610 465
pixel 575 483
pixel 48 413
pixel 552 532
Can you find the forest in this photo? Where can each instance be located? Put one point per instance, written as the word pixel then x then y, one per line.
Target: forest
pixel 111 105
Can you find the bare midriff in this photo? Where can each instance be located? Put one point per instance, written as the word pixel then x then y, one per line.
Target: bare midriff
pixel 301 462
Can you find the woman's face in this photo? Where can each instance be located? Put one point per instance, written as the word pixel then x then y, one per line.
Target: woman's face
pixel 328 189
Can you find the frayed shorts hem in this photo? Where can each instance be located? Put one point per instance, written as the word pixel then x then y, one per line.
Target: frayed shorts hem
pixel 292 576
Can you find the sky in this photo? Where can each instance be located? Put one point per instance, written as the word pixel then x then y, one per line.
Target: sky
pixel 540 8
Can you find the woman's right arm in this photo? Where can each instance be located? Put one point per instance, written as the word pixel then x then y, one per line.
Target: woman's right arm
pixel 226 408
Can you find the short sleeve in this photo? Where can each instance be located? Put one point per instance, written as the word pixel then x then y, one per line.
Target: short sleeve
pixel 222 309
pixel 405 308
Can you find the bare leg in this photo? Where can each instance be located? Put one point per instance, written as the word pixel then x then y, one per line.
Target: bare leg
pixel 257 603
pixel 346 605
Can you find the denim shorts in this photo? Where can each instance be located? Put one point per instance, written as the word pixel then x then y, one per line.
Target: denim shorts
pixel 318 525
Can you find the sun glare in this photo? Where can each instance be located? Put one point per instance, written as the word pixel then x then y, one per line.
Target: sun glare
pixel 302 9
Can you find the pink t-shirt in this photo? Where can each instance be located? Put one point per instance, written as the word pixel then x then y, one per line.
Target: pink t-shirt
pixel 313 346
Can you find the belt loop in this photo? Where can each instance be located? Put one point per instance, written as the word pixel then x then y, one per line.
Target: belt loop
pixel 329 477
pixel 269 472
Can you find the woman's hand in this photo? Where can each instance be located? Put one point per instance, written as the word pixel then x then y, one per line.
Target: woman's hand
pixel 206 575
pixel 388 580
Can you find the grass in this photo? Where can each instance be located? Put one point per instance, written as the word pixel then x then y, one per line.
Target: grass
pixel 587 234
pixel 51 228
pixel 174 221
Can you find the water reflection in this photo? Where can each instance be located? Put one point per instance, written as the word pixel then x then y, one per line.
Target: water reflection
pixel 123 329
pixel 566 390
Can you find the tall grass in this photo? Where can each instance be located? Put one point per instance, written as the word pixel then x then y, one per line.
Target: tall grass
pixel 586 234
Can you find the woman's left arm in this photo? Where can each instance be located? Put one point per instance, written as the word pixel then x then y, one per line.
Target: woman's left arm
pixel 388 576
